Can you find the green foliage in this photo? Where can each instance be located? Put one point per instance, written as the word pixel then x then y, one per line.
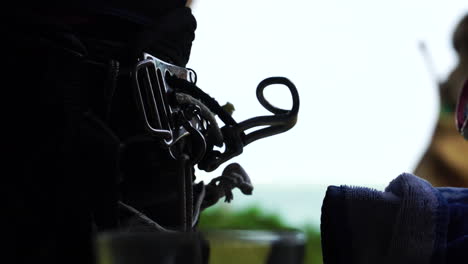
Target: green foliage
pixel 313 246
pixel 255 218
pixel 249 218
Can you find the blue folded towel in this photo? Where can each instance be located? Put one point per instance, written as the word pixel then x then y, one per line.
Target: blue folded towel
pixel 457 231
pixel 409 222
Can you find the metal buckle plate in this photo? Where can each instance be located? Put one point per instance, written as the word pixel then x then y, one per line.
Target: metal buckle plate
pixel 152 94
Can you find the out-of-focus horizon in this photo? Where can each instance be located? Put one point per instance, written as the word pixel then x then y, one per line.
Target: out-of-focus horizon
pixel 368 101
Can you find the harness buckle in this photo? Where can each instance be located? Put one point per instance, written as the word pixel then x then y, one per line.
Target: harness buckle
pixel 153 96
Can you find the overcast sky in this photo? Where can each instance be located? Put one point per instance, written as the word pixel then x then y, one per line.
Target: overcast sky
pixel 368 102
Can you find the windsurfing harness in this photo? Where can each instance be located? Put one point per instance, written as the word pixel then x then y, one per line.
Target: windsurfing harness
pixel 131 122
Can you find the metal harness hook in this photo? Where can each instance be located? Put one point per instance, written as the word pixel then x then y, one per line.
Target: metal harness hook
pixel 180 118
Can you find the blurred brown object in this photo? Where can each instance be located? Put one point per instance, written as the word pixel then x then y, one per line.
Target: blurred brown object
pixel 450 89
pixel 445 162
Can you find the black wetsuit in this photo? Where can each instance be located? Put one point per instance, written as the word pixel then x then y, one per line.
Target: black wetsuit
pixel 60 157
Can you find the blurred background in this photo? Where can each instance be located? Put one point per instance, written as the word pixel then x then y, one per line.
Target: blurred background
pixel 369 96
